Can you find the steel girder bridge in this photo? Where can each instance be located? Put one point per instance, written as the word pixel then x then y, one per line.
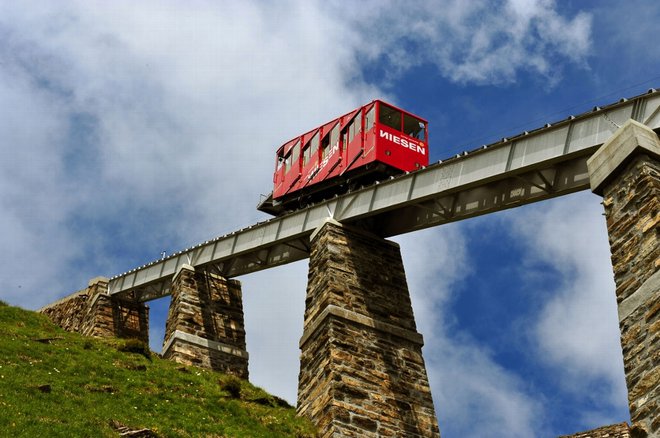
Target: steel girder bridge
pixel 535 165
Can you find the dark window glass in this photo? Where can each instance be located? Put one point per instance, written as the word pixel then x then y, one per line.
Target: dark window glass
pixel 390 117
pixel 414 127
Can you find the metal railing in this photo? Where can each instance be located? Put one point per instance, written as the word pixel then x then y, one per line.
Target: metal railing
pixel 532 166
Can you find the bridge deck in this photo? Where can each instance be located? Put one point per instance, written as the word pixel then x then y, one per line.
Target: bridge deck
pixel 536 165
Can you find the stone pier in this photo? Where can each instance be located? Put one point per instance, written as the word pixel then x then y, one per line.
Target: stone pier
pixel 92 312
pixel 205 324
pixel 362 373
pixel 626 172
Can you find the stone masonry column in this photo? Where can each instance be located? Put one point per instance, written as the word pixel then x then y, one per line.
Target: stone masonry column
pixel 626 172
pixel 205 323
pixel 362 373
pixel 93 312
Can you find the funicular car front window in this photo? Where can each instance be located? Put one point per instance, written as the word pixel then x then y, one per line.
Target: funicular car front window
pixel 390 117
pixel 280 159
pixel 414 127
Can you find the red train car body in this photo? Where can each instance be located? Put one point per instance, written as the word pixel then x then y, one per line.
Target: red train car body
pixel 370 142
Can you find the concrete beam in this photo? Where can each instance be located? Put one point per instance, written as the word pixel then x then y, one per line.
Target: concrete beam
pixel 630 139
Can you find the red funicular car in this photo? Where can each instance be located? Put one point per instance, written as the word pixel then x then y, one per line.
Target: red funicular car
pixel 368 143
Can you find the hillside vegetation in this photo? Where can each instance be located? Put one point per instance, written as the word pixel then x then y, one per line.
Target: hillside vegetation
pixel 59 384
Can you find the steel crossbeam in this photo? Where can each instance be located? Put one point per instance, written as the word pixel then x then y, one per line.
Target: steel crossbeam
pixel 536 165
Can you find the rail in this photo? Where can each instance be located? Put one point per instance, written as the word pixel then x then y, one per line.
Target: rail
pixel 532 166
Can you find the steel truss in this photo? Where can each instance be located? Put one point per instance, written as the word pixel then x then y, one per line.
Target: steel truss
pixel 533 166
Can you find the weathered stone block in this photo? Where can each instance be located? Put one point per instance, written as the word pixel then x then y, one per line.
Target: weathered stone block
pixel 621 430
pixel 627 173
pixel 205 325
pixel 92 312
pixel 631 139
pixel 362 371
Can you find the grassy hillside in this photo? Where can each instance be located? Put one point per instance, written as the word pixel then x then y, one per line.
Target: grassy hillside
pixel 54 383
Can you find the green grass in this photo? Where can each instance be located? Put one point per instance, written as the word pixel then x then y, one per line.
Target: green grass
pixel 59 384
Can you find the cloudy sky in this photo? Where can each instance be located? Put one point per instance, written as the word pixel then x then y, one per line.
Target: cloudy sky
pixel 132 128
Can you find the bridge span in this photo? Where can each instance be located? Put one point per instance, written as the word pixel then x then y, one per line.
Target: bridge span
pixel 544 163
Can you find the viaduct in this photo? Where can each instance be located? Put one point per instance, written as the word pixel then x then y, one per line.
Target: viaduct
pixel 362 372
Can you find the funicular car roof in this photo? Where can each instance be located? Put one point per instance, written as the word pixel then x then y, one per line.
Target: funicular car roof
pixel 286 147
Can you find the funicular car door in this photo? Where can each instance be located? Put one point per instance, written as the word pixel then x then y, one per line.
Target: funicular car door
pixel 351 139
pixel 329 153
pixel 287 174
pixel 369 135
pixel 309 157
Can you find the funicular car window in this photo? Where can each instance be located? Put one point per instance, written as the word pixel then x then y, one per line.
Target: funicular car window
pixel 287 162
pixel 292 157
pixel 369 119
pixel 414 127
pixel 330 140
pixel 325 142
pixel 309 153
pixel 280 159
pixel 334 135
pixel 354 128
pixel 296 153
pixel 306 153
pixel 390 117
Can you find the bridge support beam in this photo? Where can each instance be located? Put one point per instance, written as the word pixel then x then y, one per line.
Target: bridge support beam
pixel 205 323
pixel 362 372
pixel 626 172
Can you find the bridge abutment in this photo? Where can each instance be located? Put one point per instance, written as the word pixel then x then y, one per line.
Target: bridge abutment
pixel 626 172
pixel 362 372
pixel 93 312
pixel 205 324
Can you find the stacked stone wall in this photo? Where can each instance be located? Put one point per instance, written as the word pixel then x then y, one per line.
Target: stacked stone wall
pixel 621 430
pixel 69 313
pixel 205 325
pixel 632 208
pixel 362 371
pixel 626 172
pixel 92 312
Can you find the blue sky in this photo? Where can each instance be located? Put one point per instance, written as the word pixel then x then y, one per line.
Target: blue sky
pixel 131 129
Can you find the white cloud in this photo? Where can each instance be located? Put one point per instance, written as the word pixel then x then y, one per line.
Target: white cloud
pixel 473 394
pixel 577 329
pixel 32 187
pixel 129 128
pixel 184 107
pixel 477 41
pixel 573 331
pixel 274 306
